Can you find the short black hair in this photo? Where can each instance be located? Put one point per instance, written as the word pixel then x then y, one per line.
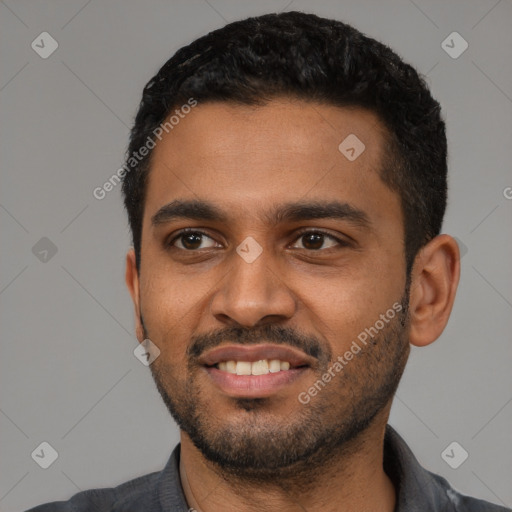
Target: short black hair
pixel 299 55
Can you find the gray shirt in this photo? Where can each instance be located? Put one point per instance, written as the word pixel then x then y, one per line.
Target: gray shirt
pixel 417 489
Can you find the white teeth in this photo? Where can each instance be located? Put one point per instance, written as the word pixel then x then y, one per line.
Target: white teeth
pixel 274 365
pixel 243 368
pixel 230 366
pixel 261 367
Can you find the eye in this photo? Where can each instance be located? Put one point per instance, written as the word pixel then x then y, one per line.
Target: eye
pixel 311 240
pixel 191 240
pixel 315 240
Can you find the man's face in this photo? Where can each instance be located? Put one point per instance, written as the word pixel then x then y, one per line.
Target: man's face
pixel 300 289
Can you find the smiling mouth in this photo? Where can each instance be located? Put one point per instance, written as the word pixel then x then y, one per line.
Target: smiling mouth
pixel 255 371
pixel 260 367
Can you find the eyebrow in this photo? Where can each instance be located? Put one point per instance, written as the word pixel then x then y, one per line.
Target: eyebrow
pixel 288 212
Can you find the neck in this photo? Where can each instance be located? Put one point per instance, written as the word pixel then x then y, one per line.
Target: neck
pixel 353 477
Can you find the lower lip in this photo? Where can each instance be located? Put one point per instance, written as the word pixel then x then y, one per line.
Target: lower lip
pixel 253 386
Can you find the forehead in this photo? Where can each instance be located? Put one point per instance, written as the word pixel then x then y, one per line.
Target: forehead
pixel 246 158
pixel 280 128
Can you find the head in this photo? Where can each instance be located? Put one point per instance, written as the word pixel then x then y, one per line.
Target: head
pixel 307 164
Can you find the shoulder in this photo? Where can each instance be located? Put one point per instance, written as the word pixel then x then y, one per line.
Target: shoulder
pixel 461 503
pixel 139 490
pixel 154 492
pixel 418 489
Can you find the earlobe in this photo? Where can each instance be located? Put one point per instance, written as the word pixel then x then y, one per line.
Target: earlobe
pixel 434 280
pixel 132 282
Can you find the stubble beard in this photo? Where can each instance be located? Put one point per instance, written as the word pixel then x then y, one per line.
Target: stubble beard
pixel 258 447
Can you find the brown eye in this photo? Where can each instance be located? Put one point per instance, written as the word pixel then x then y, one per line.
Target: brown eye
pixel 315 240
pixel 192 240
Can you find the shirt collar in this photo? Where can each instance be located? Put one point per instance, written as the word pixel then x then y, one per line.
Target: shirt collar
pixel 416 489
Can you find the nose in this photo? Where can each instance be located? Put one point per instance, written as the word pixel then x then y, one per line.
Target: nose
pixel 253 293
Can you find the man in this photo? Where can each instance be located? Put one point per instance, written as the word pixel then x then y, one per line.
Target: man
pixel 285 185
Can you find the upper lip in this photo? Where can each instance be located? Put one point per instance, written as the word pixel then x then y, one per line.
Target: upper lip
pixel 255 353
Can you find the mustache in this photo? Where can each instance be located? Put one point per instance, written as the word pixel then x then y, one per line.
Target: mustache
pixel 276 334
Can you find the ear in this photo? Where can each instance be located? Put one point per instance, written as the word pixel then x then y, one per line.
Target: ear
pixel 434 280
pixel 132 282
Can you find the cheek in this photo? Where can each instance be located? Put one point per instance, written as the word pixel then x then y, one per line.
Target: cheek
pixel 342 307
pixel 168 309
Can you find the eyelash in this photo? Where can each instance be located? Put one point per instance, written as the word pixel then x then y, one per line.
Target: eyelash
pixel 302 232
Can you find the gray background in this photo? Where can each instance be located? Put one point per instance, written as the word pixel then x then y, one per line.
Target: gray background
pixel 68 374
